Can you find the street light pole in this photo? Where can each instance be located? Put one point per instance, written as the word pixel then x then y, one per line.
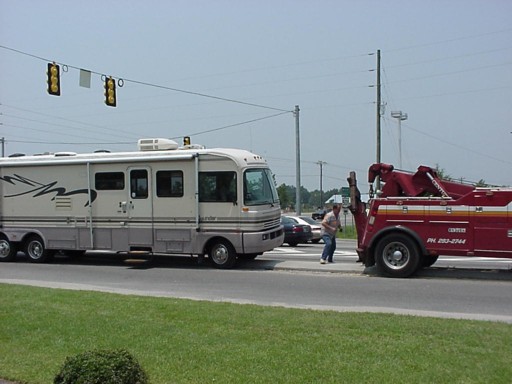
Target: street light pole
pixel 400 116
pixel 321 164
pixel 298 199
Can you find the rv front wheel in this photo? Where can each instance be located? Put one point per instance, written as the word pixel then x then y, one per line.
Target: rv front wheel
pixel 222 255
pixel 35 250
pixel 8 250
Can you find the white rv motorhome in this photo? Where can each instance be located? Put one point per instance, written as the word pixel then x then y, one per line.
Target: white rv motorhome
pixel 221 203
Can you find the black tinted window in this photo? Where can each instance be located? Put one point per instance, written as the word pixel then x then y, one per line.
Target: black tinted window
pixel 104 181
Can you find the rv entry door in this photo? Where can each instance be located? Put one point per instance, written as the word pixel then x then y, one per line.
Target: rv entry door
pixel 140 207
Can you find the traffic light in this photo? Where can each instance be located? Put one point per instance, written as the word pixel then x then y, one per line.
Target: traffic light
pixel 110 92
pixel 53 79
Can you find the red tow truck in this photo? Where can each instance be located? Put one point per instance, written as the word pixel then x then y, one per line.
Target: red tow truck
pixel 416 217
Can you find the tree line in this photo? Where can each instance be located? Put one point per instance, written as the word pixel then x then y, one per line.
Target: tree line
pixel 310 200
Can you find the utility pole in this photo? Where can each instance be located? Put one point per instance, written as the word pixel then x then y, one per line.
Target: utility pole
pixel 321 164
pixel 378 116
pixel 3 146
pixel 297 162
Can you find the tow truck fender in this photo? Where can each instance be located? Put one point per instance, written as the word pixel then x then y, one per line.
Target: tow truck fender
pixel 370 260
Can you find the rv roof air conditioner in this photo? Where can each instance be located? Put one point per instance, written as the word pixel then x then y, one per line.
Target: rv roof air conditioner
pixel 157 145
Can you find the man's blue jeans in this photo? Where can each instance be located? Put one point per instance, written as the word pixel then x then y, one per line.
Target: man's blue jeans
pixel 329 247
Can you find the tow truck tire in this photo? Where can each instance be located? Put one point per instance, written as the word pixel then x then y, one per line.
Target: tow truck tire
pixel 222 255
pixel 397 255
pixel 36 251
pixel 8 249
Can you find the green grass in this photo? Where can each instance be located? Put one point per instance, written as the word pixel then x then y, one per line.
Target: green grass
pixel 349 232
pixel 183 341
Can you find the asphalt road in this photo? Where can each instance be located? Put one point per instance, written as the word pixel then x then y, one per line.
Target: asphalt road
pixel 306 257
pixel 289 277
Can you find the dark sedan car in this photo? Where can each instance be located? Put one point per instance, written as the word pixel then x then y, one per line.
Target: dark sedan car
pixel 319 214
pixel 294 232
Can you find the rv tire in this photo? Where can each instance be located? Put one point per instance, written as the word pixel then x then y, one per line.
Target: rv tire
pixel 222 254
pixel 8 249
pixel 397 255
pixel 36 251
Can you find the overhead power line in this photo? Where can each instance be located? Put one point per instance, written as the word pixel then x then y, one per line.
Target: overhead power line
pixel 237 124
pixel 125 143
pixel 456 145
pixel 449 40
pixel 153 85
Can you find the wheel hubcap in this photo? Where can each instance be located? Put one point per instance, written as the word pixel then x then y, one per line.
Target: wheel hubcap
pixel 35 250
pixel 396 255
pixel 220 254
pixel 4 249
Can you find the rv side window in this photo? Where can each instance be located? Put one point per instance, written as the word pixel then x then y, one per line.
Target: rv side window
pixel 169 184
pixel 105 181
pixel 217 187
pixel 139 184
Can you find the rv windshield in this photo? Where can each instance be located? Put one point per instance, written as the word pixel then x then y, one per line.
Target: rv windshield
pixel 259 188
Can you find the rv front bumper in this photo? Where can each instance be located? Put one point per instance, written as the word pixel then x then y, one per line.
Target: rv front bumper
pixel 259 242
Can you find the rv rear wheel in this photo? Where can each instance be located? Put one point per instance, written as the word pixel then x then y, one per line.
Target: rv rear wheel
pixel 396 255
pixel 8 249
pixel 222 254
pixel 35 250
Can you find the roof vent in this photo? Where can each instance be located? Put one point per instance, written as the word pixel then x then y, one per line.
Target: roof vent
pixel 157 145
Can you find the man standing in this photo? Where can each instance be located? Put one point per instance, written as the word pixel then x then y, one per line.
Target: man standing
pixel 330 225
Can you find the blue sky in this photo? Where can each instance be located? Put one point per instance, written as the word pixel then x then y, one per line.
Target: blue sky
pixel 447 64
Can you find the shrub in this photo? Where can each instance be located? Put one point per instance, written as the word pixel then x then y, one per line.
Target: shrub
pixel 101 367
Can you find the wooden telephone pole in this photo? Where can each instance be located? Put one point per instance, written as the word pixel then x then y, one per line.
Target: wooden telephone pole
pixel 378 117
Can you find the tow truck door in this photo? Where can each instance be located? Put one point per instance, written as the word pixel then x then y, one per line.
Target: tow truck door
pixel 491 222
pixel 449 227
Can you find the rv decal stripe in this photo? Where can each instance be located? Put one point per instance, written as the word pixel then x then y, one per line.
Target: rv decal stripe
pixel 38 189
pixel 117 220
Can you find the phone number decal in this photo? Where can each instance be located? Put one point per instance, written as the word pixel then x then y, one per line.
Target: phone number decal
pixel 434 240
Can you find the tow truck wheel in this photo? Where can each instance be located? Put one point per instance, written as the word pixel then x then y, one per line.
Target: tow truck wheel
pixel 396 255
pixel 8 249
pixel 222 255
pixel 36 251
